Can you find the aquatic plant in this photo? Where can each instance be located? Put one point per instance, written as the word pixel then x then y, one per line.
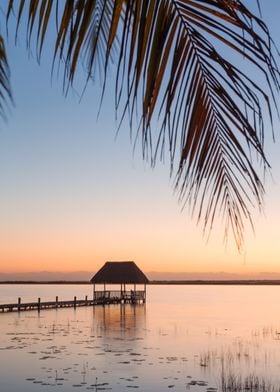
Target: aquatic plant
pixel 231 382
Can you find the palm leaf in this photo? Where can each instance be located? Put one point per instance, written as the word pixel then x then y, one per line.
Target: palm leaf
pixel 5 88
pixel 172 65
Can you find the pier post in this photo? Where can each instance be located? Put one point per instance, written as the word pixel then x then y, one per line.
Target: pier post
pixel 19 302
pixel 56 301
pixel 86 299
pixel 75 300
pixel 39 304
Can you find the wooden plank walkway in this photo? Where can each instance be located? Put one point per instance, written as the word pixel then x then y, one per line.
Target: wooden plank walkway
pixel 98 300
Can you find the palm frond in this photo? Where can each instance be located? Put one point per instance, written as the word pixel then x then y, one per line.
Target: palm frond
pixel 82 31
pixel 5 87
pixel 210 111
pixel 173 66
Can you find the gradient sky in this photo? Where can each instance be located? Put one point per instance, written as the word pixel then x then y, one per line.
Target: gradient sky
pixel 73 196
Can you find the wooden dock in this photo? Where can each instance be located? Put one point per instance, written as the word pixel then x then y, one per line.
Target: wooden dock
pixel 100 298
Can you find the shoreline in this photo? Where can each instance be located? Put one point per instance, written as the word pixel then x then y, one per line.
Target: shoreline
pixel 248 282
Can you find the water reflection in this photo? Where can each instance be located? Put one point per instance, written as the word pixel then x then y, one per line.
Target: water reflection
pixel 125 321
pixel 93 348
pixel 156 347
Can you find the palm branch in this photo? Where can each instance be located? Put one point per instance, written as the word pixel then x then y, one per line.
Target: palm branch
pixel 175 81
pixel 5 88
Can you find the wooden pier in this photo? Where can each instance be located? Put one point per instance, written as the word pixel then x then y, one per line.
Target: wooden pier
pixel 106 297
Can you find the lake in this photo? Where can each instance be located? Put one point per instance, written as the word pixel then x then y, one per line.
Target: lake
pixel 196 338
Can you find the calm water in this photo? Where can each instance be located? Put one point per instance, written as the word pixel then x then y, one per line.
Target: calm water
pixel 185 338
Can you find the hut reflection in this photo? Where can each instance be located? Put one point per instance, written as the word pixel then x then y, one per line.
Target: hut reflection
pixel 120 321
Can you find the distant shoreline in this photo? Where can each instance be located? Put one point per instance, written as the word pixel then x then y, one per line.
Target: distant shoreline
pixel 237 282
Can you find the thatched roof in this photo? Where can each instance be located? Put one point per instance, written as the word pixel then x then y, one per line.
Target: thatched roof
pixel 120 272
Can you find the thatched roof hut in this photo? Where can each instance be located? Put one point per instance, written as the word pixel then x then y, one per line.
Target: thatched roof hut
pixel 120 272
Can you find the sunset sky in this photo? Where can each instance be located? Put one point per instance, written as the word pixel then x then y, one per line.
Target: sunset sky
pixel 73 195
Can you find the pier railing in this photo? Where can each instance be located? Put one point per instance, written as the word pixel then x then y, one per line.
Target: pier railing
pixel 99 298
pixel 132 296
pixel 40 305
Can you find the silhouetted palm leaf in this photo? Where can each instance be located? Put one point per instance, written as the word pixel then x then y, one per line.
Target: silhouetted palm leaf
pixel 5 88
pixel 169 65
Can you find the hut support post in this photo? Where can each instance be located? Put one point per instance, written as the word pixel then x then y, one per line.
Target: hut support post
pixel 133 295
pixel 144 293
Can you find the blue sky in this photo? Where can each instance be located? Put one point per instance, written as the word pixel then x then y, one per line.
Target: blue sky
pixel 73 195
